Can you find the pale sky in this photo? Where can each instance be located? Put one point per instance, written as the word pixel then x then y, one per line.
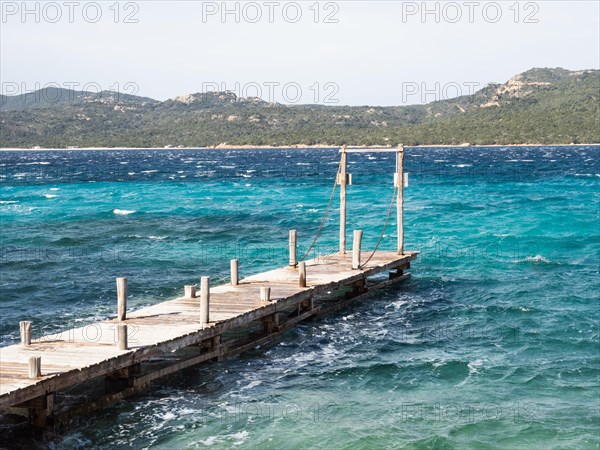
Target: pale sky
pixel 349 52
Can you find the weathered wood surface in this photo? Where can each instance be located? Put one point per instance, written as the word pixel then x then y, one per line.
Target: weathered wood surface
pixel 399 176
pixel 342 181
pixel 293 240
pixel 356 243
pixel 235 272
pixel 80 354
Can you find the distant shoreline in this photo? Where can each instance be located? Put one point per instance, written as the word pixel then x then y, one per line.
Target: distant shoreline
pixel 284 147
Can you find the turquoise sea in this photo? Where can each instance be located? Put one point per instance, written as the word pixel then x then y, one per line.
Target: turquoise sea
pixel 494 343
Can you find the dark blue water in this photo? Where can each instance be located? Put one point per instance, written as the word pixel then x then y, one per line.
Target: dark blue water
pixel 494 342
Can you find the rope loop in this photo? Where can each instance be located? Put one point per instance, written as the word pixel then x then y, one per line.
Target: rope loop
pixel 326 212
pixel 384 227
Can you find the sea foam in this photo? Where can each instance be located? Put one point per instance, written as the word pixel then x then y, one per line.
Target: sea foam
pixel 123 212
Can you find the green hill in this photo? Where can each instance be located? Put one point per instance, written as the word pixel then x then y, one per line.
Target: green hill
pixel 543 106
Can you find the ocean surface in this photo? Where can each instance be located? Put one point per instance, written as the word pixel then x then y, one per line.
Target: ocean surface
pixel 493 343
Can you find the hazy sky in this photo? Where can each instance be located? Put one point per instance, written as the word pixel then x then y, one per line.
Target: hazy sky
pixel 350 52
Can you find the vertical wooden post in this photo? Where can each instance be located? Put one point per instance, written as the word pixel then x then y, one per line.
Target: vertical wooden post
pixel 122 336
pixel 233 266
pixel 400 199
pixel 265 294
pixel 189 291
pixel 121 298
pixel 356 249
pixel 204 300
pixel 39 409
pixel 293 243
pixel 35 367
pixel 25 327
pixel 302 273
pixel 342 182
pixel 271 323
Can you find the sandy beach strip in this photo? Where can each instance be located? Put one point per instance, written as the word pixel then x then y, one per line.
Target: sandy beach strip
pixel 286 147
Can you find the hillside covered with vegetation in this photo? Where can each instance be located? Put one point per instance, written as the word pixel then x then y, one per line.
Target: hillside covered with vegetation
pixel 540 106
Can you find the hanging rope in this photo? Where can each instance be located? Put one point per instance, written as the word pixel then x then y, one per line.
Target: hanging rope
pixel 326 212
pixel 384 227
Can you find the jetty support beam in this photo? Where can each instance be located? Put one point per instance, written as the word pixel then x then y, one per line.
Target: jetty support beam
pixel 39 409
pixel 271 323
pixel 121 379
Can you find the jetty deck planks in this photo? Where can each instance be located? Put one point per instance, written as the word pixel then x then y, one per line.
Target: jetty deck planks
pixel 80 354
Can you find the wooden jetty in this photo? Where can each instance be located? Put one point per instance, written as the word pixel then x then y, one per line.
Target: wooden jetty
pixel 110 360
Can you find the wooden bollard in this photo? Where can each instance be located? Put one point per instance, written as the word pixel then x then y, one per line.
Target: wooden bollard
pixel 204 300
pixel 293 240
pixel 302 273
pixel 122 336
pixel 233 264
pixel 25 327
pixel 356 249
pixel 265 294
pixel 190 290
pixel 121 298
pixel 35 367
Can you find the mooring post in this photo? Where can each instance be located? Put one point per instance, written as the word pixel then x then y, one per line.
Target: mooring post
pixel 233 268
pixel 342 182
pixel 122 336
pixel 356 249
pixel 121 298
pixel 35 367
pixel 265 294
pixel 189 291
pixel 302 274
pixel 204 300
pixel 400 199
pixel 25 327
pixel 293 243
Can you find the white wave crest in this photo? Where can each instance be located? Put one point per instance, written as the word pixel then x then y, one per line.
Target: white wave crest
pixel 537 258
pixel 123 212
pixel 534 259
